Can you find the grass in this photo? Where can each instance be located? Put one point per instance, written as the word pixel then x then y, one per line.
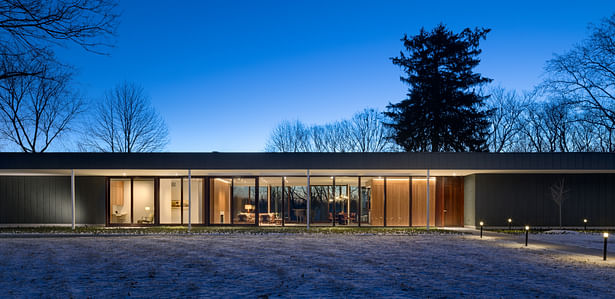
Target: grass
pixel 183 230
pixel 542 230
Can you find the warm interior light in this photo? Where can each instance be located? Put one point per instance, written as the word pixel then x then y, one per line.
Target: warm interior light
pixel 123 173
pixel 509 220
pixel 481 223
pixel 605 235
pixel 331 177
pixel 248 207
pixel 147 209
pixel 527 227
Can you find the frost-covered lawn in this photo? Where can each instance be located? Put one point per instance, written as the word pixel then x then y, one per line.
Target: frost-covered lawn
pixel 295 265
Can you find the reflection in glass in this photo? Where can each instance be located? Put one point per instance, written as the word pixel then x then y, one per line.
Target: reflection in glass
pixel 119 196
pixel 244 200
pixel 321 203
pixel 372 198
pixel 346 200
pixel 270 200
pixel 295 195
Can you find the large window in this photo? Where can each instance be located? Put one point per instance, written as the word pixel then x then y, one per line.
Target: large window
pixel 346 200
pixel 244 200
pixel 120 204
pixel 372 198
pixel 170 201
pixel 270 200
pixel 321 202
pixel 295 196
pixel 143 201
pixel 196 200
pixel 220 201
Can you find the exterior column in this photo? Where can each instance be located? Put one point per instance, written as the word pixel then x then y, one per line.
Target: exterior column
pixel 72 196
pixel 308 200
pixel 427 199
pixel 189 199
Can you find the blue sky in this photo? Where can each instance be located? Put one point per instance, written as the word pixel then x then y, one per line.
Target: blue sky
pixel 224 73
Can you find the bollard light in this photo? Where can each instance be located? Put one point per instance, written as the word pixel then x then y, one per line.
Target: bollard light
pixel 527 231
pixel 481 229
pixel 584 224
pixel 606 237
pixel 509 223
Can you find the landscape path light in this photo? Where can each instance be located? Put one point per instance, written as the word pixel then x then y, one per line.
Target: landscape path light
pixel 509 223
pixel 527 231
pixel 606 237
pixel 584 224
pixel 481 229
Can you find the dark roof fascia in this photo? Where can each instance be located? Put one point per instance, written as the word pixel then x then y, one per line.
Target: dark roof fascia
pixel 474 161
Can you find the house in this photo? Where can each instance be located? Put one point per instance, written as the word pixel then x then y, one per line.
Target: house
pixel 272 189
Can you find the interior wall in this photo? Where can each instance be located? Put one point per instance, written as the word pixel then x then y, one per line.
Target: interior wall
pixel 419 201
pixel 469 200
pixel 398 201
pixel 376 213
pixel 220 201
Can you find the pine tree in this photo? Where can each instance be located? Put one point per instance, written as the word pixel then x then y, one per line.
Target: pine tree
pixel 443 110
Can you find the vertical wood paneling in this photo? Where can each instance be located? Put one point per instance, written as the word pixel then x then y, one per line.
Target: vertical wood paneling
pixel 397 201
pixel 377 202
pixel 419 202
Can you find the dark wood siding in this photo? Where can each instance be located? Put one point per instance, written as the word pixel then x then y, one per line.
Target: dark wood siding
pixel 46 200
pixel 526 198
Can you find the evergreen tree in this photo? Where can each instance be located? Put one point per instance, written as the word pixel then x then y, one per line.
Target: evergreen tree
pixel 443 110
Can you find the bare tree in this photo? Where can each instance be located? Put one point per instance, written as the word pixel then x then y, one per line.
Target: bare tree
pixel 369 134
pixel 364 132
pixel 586 74
pixel 30 28
pixel 508 109
pixel 289 137
pixel 126 121
pixel 559 194
pixel 35 110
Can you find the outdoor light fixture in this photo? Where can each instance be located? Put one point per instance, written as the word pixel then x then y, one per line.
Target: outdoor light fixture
pixel 481 229
pixel 606 237
pixel 509 223
pixel 584 224
pixel 527 231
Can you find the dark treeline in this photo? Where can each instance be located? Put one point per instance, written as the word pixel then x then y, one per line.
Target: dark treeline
pixel 451 108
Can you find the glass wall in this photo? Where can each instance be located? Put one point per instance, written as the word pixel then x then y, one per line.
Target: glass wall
pixel 143 201
pixel 321 201
pixel 196 201
pixel 244 200
pixel 220 201
pixel 372 210
pixel 120 200
pixel 170 201
pixel 346 200
pixel 398 201
pixel 270 200
pixel 295 196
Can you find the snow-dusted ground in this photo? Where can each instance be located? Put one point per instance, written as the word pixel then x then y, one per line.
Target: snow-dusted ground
pixel 591 240
pixel 295 265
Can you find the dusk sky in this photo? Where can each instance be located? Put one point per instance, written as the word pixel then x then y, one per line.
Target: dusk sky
pixel 223 74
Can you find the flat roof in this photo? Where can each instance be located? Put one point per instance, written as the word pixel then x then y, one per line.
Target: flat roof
pixel 478 162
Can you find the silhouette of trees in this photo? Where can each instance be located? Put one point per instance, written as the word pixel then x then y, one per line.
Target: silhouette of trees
pixel 36 110
pixel 29 29
pixel 443 110
pixel 126 121
pixel 364 132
